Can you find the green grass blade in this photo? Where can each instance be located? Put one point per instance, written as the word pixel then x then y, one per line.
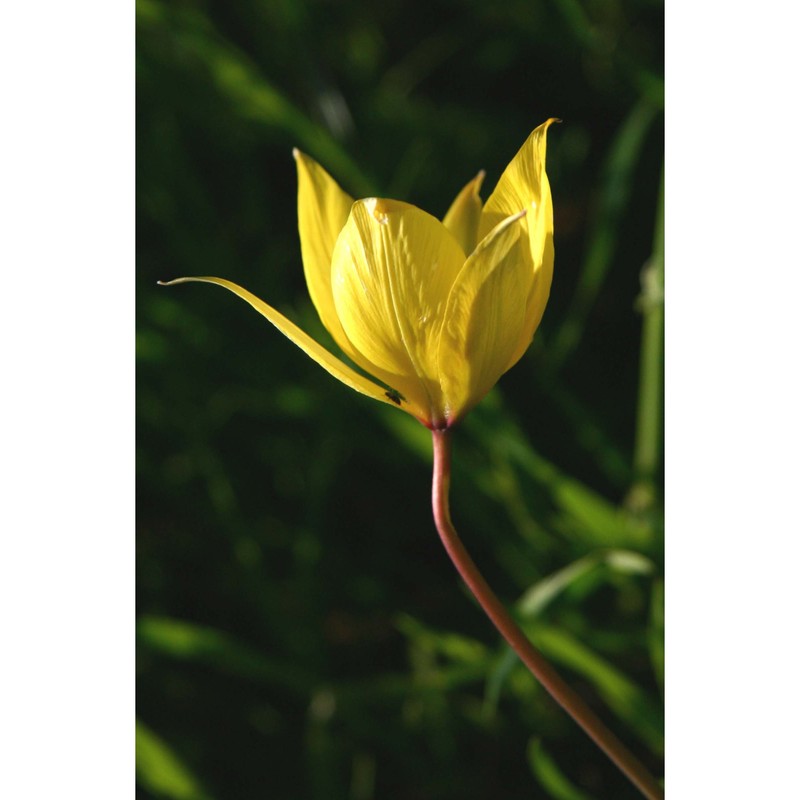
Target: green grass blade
pixel 550 776
pixel 161 771
pixel 188 642
pixel 649 432
pixel 629 702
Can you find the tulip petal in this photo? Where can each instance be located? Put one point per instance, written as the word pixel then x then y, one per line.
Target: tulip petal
pixel 521 184
pixel 322 211
pixel 541 228
pixel 484 318
pixel 524 185
pixel 393 268
pixel 326 360
pixel 463 218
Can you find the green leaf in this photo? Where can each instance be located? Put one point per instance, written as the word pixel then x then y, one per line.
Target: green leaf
pixel 544 592
pixel 627 700
pixel 550 776
pixel 453 646
pixel 585 514
pixel 186 641
pixel 161 771
pixel 655 632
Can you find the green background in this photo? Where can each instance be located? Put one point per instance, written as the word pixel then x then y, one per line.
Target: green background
pixel 301 632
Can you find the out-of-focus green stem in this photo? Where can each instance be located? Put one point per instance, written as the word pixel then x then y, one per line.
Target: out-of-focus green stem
pixel 651 373
pixel 569 700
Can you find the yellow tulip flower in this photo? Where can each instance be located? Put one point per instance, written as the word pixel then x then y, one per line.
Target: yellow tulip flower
pixel 436 311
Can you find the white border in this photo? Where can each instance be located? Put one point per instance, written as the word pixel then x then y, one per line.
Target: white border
pixel 732 400
pixel 67 339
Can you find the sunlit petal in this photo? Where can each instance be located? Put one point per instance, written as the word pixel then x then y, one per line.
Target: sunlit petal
pixel 322 210
pixel 485 317
pixel 521 184
pixel 463 218
pixel 540 228
pixel 524 185
pixel 327 361
pixel 393 268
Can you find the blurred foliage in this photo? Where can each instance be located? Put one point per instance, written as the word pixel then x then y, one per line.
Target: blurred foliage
pixel 302 633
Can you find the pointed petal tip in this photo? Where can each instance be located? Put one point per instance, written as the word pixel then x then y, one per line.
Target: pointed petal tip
pixel 477 181
pixel 309 346
pixel 296 154
pixel 173 281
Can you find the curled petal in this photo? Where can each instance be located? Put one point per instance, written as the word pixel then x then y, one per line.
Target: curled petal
pixel 463 218
pixel 326 360
pixel 485 317
pixel 393 268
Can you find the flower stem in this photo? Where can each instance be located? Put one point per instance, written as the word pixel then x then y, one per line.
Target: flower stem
pixel 532 658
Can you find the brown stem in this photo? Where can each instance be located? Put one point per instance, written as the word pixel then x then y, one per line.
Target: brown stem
pixel 532 658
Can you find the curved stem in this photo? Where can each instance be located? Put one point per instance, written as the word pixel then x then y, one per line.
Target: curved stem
pixel 532 658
